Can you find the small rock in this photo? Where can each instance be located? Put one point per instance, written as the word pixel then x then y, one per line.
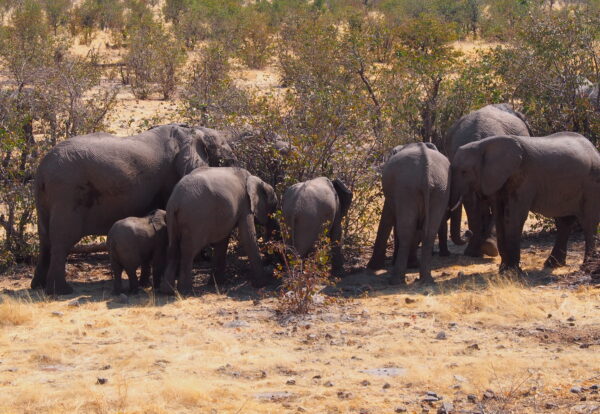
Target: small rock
pixel 576 390
pixel 344 395
pixel 316 377
pixel 386 386
pixel 429 399
pixel 595 387
pixel 408 301
pixel 453 325
pixel 291 382
pixel 474 347
pixel 571 319
pixel 550 406
pixel 236 324
pixel 400 410
pixel 301 409
pixel 365 383
pixel 460 378
pixel 441 336
pixel 101 381
pixel 328 384
pixel 446 408
pixel 58 314
pixel 489 395
pixel 472 398
pixel 363 411
pixel 105 367
pixel 432 394
pixel 74 303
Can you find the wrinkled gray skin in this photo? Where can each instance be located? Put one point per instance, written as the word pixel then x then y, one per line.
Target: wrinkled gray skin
pixel 497 119
pixel 204 208
pixel 416 189
pixel 557 176
pixel 138 242
pixel 413 262
pixel 85 184
pixel 312 206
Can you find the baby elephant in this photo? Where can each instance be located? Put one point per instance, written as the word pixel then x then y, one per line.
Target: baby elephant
pixel 138 241
pixel 312 206
pixel 416 189
pixel 204 208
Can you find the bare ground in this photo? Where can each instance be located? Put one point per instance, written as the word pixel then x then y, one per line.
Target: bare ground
pixel 478 341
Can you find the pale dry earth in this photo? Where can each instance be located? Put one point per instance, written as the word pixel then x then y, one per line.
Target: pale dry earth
pixel 528 341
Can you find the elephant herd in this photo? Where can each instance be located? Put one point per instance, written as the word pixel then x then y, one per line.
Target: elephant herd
pixel 100 184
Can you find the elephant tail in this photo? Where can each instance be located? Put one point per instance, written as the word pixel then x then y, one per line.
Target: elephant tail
pixel 173 250
pixel 455 220
pixel 426 189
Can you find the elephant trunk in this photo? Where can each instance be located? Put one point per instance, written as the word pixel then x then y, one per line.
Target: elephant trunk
pixel 455 220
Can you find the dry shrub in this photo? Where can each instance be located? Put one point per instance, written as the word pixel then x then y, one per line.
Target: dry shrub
pixel 14 312
pixel 301 279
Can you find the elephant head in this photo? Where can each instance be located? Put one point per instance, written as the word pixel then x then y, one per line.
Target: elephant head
pixel 198 148
pixel 263 202
pixel 158 219
pixel 344 195
pixel 484 166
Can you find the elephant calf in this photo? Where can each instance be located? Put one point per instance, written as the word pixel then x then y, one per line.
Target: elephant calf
pixel 312 206
pixel 138 241
pixel 416 188
pixel 204 208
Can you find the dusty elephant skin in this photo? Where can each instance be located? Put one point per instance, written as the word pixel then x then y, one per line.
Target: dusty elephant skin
pixel 416 189
pixel 557 176
pixel 204 208
pixel 497 119
pixel 85 184
pixel 310 207
pixel 138 241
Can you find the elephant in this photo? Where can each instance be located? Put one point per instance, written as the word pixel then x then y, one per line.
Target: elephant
pixel 138 241
pixel 204 208
pixel 86 183
pixel 557 176
pixel 416 189
pixel 495 119
pixel 310 207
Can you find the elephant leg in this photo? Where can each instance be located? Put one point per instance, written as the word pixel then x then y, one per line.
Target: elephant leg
pixel 426 253
pixel 489 246
pixel 337 258
pixel 514 217
pixel 167 283
pixel 41 268
pixel 117 271
pixel 186 263
pixel 413 260
pixel 133 280
pixel 383 233
pixel 558 256
pixel 219 259
pixel 247 234
pixel 443 238
pixel 406 224
pixel 145 275
pixel 158 267
pixel 65 231
pixel 590 229
pixel 475 218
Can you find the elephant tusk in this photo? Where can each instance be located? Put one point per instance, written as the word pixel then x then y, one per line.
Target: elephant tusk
pixel 457 204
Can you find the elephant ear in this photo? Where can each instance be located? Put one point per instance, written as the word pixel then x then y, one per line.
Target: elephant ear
pixel 158 219
pixel 191 154
pixel 344 195
pixel 431 146
pixel 501 158
pixel 258 198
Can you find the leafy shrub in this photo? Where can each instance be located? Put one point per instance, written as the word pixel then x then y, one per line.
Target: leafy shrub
pixel 256 45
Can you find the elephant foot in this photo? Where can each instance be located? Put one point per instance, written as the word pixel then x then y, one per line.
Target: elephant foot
pixel 553 263
pixel 166 289
pixel 425 280
pixel 375 264
pixel 489 248
pixel 506 268
pixel 413 263
pixel 38 283
pixel 58 289
pixel 397 280
pixel 444 253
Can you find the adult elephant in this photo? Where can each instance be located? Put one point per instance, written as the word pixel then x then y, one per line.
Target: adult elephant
pixel 496 119
pixel 416 190
pixel 85 184
pixel 312 206
pixel 205 207
pixel 557 176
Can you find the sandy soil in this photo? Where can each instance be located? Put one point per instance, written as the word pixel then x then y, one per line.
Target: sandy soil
pixel 478 341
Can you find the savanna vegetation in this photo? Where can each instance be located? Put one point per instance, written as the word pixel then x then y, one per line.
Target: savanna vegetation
pixel 348 81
